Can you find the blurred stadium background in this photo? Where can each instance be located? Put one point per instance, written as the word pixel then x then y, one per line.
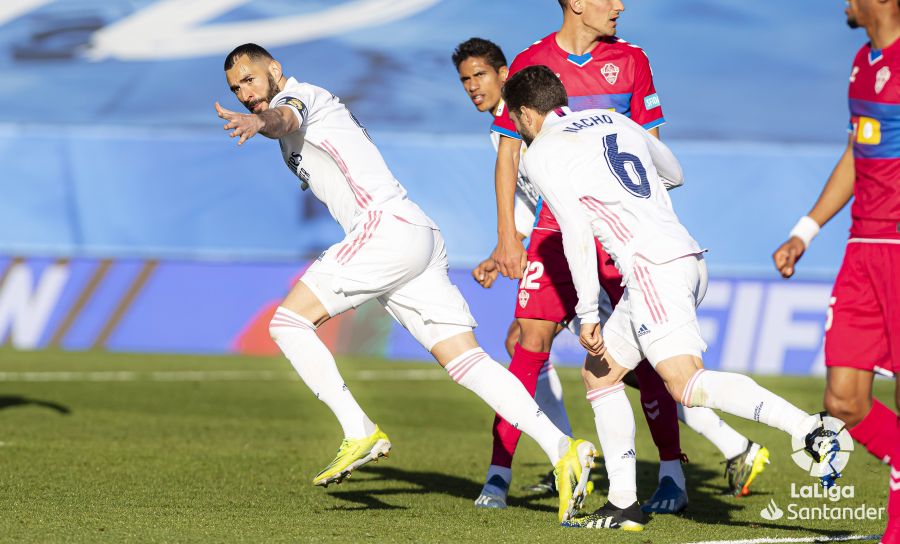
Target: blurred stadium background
pixel 129 222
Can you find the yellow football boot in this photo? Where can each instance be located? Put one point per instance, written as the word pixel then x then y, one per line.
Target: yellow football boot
pixel 353 454
pixel 572 477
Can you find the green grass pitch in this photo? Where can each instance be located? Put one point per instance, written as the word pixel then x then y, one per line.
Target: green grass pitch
pixel 99 447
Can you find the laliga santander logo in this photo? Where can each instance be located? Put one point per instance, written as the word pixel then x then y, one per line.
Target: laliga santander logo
pixel 772 512
pixel 833 443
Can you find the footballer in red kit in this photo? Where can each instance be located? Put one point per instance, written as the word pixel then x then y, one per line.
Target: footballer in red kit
pixel 862 332
pixel 614 75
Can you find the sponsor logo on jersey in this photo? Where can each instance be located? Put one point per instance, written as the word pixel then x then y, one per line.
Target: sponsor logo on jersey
pixel 868 131
pixel 611 72
pixel 881 79
pixel 643 330
pixel 651 101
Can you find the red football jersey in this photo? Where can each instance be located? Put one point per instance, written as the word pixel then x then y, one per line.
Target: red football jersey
pixel 614 75
pixel 875 124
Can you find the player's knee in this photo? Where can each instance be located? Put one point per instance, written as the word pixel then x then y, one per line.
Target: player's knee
pixel 287 323
pixel 512 338
pixel 536 337
pixel 850 409
pixel 597 373
pixel 275 330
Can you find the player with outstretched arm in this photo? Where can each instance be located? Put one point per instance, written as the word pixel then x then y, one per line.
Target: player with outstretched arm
pixel 392 252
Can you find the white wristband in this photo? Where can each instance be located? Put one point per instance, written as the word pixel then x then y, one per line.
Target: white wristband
pixel 806 229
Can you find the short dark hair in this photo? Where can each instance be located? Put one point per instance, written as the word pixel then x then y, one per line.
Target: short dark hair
pixel 479 47
pixel 563 4
pixel 535 87
pixel 253 51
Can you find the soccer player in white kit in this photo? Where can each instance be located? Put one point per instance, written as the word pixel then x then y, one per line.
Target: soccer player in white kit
pixel 482 69
pixel 600 174
pixel 392 251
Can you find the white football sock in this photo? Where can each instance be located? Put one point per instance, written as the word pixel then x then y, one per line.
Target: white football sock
pixel 708 424
pixel 673 470
pixel 548 396
pixel 506 395
pixel 298 340
pixel 615 429
pixel 739 395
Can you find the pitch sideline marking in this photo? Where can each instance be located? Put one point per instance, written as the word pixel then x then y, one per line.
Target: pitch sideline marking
pixel 412 374
pixel 813 539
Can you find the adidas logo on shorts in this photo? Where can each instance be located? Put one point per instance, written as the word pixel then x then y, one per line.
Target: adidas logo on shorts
pixel 643 330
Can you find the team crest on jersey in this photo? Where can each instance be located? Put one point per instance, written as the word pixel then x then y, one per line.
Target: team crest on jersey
pixel 523 298
pixel 881 79
pixel 611 72
pixel 295 103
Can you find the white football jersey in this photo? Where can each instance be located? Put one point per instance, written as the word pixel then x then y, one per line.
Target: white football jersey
pixel 333 155
pixel 600 173
pixel 526 195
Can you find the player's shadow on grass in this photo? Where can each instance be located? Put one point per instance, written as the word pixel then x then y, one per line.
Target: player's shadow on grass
pixel 424 482
pixel 13 401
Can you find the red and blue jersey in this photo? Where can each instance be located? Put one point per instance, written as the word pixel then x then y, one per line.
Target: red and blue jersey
pixel 615 75
pixel 875 125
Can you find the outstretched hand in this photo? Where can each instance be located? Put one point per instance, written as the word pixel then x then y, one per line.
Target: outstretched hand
pixel 241 125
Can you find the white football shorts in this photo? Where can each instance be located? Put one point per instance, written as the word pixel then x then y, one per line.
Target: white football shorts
pixel 657 316
pixel 404 266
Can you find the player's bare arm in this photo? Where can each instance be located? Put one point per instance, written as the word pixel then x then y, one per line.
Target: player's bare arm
pixel 509 254
pixel 835 195
pixel 486 272
pixel 273 123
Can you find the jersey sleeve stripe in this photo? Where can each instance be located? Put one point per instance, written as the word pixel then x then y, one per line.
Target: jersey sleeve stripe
pixel 505 132
pixel 656 123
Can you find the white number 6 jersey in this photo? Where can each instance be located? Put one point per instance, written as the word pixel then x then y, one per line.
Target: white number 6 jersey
pixel 600 174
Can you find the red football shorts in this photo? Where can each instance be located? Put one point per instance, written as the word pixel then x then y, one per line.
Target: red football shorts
pixel 546 291
pixel 863 327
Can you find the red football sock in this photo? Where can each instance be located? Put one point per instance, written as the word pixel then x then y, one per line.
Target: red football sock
pixel 892 532
pixel 878 431
pixel 660 410
pixel 526 365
